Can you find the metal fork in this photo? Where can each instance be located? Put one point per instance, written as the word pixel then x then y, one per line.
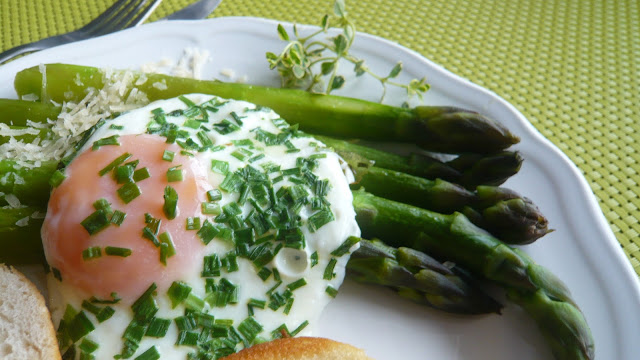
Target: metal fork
pixel 122 14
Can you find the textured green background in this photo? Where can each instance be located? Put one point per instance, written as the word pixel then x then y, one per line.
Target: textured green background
pixel 572 67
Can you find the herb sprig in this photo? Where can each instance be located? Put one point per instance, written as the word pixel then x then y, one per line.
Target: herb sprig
pixel 297 61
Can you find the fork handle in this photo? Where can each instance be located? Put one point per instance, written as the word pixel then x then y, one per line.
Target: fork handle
pixel 31 47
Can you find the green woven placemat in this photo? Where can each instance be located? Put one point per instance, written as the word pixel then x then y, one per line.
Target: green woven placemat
pixel 570 66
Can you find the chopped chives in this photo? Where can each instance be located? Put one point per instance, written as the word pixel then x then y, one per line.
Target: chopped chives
pixel 192 123
pixel 211 208
pixel 225 127
pixel 297 284
pixel 88 346
pixel 117 251
pixel 236 118
pixel 214 195
pixel 57 178
pixel 319 219
pixel 193 302
pixel 288 306
pixel 105 314
pixel 241 154
pixel 328 271
pixel 118 217
pixel 205 141
pixel 318 156
pixel 116 127
pixel 170 207
pixel 96 222
pixel 188 338
pixel 219 166
pixel 193 223
pixel 111 140
pixel 256 158
pixel 331 291
pixel 128 192
pixel 165 238
pixel 243 142
pixel 232 262
pixel 250 328
pixel 168 155
pixel 141 174
pixel 207 232
pixel 344 248
pixel 158 327
pixel 211 266
pixel 174 174
pixel 124 174
pixel 164 250
pixel 264 273
pixel 80 326
pixel 232 209
pixel 300 328
pixel 151 354
pixel 178 292
pixel 145 307
pixel 103 204
pixel 119 160
pixel 314 259
pixel 276 275
pixel 261 304
pixel 231 183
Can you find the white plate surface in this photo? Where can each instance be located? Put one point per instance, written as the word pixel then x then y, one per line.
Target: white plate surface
pixel 582 251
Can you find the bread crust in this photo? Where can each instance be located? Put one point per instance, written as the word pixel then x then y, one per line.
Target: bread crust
pixel 301 348
pixel 26 330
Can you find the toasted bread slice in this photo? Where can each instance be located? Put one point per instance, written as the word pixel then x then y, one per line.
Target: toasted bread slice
pixel 26 330
pixel 301 348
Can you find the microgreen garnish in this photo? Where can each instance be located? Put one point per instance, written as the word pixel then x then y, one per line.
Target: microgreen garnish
pixel 304 62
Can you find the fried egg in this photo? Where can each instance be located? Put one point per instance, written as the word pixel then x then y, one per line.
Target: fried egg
pixel 193 227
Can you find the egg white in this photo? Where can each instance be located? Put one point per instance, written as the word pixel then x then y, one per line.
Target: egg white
pixel 292 264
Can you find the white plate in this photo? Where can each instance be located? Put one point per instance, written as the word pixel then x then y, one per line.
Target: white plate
pixel 582 251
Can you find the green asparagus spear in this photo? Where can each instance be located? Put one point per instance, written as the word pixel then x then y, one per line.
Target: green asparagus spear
pixel 469 170
pixel 20 235
pixel 17 113
pixel 26 137
pixel 542 295
pixel 419 277
pixel 486 169
pixel 29 185
pixel 504 213
pixel 436 128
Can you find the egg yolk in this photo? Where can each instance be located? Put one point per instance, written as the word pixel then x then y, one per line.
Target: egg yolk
pixel 65 238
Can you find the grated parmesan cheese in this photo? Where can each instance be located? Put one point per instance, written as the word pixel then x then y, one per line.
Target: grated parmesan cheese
pixel 13 201
pixel 118 95
pixel 23 222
